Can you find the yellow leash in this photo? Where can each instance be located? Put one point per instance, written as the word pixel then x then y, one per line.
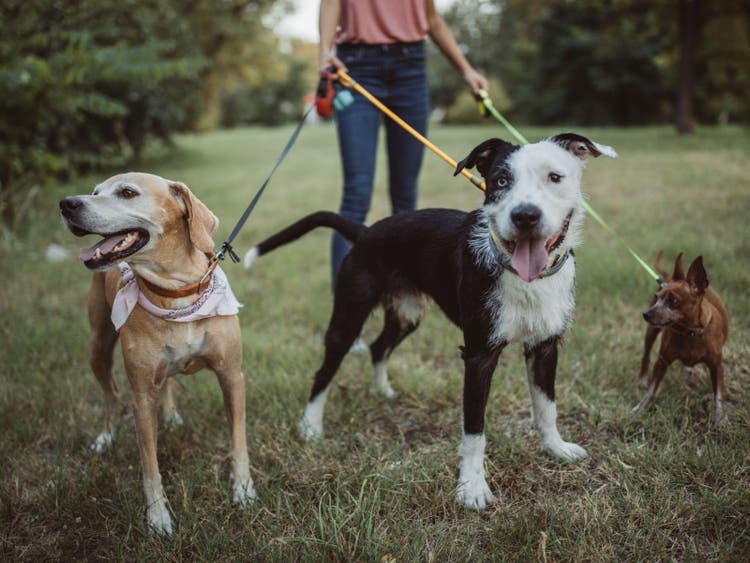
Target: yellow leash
pixel 485 102
pixel 348 82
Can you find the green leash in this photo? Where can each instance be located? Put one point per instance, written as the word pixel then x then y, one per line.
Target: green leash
pixel 486 105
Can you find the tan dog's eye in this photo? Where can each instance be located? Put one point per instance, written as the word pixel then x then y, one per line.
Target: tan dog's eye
pixel 128 193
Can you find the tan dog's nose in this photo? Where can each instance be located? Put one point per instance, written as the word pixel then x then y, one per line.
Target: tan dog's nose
pixel 70 205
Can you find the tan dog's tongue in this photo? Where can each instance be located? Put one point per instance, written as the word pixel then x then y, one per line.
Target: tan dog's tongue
pixel 529 258
pixel 105 246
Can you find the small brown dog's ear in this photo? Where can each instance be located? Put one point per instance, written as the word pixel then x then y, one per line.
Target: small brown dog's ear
pixel 697 277
pixel 202 224
pixel 582 147
pixel 679 272
pixel 481 155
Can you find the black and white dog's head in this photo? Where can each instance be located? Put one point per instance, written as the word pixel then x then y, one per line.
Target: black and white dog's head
pixel 533 203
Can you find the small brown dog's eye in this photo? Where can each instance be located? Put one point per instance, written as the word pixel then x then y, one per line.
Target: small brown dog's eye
pixel 672 302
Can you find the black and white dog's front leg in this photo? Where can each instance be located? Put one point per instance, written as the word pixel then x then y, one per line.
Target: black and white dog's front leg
pixel 541 368
pixel 479 366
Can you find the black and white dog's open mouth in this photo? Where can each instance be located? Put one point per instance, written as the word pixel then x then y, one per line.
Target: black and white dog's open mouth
pixel 531 256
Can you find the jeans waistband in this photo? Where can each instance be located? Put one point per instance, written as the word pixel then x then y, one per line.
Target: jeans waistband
pixel 379 48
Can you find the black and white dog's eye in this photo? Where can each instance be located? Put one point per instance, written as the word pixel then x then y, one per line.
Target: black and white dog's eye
pixel 502 182
pixel 554 178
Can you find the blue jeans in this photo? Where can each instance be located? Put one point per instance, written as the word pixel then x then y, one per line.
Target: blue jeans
pixel 396 75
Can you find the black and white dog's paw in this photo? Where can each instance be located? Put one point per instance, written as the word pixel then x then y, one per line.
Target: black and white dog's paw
pixel 566 451
pixel 474 493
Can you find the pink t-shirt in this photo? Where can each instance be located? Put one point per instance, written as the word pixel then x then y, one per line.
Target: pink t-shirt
pixel 382 21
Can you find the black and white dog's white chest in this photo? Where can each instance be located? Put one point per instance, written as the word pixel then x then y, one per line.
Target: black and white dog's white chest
pixel 531 312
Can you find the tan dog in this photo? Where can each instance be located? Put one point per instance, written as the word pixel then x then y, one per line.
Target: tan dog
pixel 169 325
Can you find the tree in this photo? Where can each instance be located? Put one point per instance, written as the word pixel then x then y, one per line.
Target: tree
pixel 598 64
pixel 77 92
pixel 688 18
pixel 242 51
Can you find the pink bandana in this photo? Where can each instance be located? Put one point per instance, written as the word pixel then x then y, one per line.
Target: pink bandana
pixel 216 300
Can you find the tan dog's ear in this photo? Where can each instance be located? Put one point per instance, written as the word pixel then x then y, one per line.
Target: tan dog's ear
pixel 201 222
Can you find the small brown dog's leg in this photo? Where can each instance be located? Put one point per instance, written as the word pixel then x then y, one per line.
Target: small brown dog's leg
pixel 648 343
pixel 103 340
pixel 660 369
pixel 717 382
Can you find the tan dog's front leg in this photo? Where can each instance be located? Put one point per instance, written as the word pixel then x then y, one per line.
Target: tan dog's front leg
pixel 103 341
pixel 145 406
pixel 172 418
pixel 233 388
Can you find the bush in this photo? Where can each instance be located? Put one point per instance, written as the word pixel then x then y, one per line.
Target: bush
pixel 77 93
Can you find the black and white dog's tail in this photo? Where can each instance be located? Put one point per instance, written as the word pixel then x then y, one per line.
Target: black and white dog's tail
pixel 348 228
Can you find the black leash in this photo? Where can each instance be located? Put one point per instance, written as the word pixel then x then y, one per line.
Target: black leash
pixel 226 247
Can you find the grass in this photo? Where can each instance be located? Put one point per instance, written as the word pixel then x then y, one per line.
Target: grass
pixel 660 486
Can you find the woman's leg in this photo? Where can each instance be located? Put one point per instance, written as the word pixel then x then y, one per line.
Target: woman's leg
pixel 408 97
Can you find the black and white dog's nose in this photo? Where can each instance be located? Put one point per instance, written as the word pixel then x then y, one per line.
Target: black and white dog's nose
pixel 70 204
pixel 526 216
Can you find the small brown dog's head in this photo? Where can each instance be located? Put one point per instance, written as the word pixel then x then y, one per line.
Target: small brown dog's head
pixel 678 302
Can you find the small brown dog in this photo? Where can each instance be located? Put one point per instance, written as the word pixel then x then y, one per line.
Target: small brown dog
pixel 693 324
pixel 157 236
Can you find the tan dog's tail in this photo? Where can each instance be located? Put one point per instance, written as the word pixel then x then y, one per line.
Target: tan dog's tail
pixel 348 228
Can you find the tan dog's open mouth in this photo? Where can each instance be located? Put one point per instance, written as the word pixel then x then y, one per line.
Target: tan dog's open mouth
pixel 113 248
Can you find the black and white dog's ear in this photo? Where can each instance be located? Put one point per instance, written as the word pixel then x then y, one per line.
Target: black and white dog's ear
pixel 582 147
pixel 481 156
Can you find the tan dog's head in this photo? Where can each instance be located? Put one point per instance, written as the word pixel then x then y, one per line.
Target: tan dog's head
pixel 136 213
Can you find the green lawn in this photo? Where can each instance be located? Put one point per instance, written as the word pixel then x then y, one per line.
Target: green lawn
pixel 660 486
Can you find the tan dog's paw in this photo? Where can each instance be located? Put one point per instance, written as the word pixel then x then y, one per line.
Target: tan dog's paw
pixel 174 421
pixel 243 494
pixel 159 520
pixel 102 443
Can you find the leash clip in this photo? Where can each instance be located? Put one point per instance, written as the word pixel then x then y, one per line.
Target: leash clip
pixel 226 248
pixel 212 263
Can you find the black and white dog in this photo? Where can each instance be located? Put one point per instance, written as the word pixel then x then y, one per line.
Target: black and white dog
pixel 503 273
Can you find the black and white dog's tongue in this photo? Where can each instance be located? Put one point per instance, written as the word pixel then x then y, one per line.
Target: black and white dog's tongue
pixel 529 258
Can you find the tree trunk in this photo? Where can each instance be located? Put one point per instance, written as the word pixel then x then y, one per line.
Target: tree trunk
pixel 687 15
